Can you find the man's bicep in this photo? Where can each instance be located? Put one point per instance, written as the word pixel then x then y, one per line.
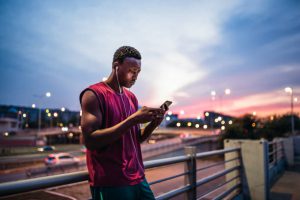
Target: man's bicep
pixel 91 118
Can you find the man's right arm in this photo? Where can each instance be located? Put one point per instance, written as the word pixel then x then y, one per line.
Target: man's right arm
pixel 91 122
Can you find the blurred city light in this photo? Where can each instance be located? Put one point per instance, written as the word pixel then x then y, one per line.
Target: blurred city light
pixel 24 115
pixel 55 114
pixel 168 118
pixel 197 125
pixel 63 109
pixel 288 90
pixel 205 126
pixel 222 128
pixel 227 91
pixel 182 112
pixel 104 78
pixel 178 124
pixel 170 113
pixel 48 94
pixel 33 105
pixel 230 122
pixel 64 129
pixel 206 114
pixel 189 124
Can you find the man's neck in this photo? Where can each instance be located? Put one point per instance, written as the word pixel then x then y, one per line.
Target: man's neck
pixel 112 82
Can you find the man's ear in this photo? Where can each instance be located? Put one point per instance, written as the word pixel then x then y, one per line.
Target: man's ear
pixel 115 64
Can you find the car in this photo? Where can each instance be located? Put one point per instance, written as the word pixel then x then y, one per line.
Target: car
pixel 46 148
pixel 61 159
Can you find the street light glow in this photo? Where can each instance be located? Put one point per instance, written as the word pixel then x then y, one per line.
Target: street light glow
pixel 48 94
pixel 205 126
pixel 168 118
pixel 197 125
pixel 170 113
pixel 222 128
pixel 207 114
pixel 295 99
pixel 254 113
pixel 182 112
pixel 288 90
pixel 198 117
pixel 24 115
pixel 33 106
pixel 63 109
pixel 55 114
pixel 227 91
pixel 178 124
pixel 189 123
pixel 230 122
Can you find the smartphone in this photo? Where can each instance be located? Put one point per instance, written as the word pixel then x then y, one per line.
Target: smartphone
pixel 166 105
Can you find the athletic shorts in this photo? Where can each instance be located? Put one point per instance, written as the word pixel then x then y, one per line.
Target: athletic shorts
pixel 140 191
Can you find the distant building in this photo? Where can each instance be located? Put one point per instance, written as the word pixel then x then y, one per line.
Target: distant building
pixel 28 117
pixel 214 119
pixel 8 125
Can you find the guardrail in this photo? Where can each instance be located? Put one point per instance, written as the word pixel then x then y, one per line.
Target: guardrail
pixel 277 160
pixel 190 187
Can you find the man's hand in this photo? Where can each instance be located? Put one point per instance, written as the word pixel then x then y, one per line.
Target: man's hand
pixel 158 118
pixel 146 114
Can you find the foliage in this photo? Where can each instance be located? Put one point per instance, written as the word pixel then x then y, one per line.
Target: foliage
pixel 250 127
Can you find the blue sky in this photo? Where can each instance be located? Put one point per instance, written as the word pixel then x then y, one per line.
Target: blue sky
pixel 188 47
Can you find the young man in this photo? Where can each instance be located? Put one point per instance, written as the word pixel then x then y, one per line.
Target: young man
pixel 110 126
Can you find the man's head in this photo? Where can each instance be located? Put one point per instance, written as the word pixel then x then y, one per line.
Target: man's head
pixel 127 65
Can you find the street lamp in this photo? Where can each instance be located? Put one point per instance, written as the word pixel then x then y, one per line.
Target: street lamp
pixel 290 91
pixel 47 95
pixel 213 94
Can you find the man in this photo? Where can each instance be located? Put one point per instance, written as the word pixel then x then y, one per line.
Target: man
pixel 110 126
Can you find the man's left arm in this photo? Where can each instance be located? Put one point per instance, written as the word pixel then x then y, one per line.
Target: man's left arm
pixel 148 130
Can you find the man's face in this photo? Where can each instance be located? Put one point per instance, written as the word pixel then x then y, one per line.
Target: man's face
pixel 128 71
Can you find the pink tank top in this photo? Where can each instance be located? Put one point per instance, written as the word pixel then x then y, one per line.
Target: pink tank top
pixel 120 163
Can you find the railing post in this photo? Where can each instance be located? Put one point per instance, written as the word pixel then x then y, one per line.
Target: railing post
pixel 191 167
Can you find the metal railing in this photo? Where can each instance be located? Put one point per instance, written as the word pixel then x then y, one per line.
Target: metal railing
pixel 276 152
pixel 189 188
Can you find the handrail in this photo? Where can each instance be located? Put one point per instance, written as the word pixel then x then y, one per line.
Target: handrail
pixel 16 187
pixel 216 152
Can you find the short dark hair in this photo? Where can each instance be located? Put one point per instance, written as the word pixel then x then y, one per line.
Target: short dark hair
pixel 124 52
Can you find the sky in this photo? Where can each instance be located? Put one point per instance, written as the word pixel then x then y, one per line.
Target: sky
pixel 189 48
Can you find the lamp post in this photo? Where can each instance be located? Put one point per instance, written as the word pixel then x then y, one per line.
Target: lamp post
pixel 213 94
pixel 290 91
pixel 46 95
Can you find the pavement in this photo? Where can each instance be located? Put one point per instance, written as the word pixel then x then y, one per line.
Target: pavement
pixel 287 187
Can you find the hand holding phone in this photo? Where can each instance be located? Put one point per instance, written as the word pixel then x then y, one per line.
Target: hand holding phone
pixel 166 105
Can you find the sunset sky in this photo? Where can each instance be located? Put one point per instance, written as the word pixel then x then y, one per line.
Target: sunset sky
pixel 189 48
